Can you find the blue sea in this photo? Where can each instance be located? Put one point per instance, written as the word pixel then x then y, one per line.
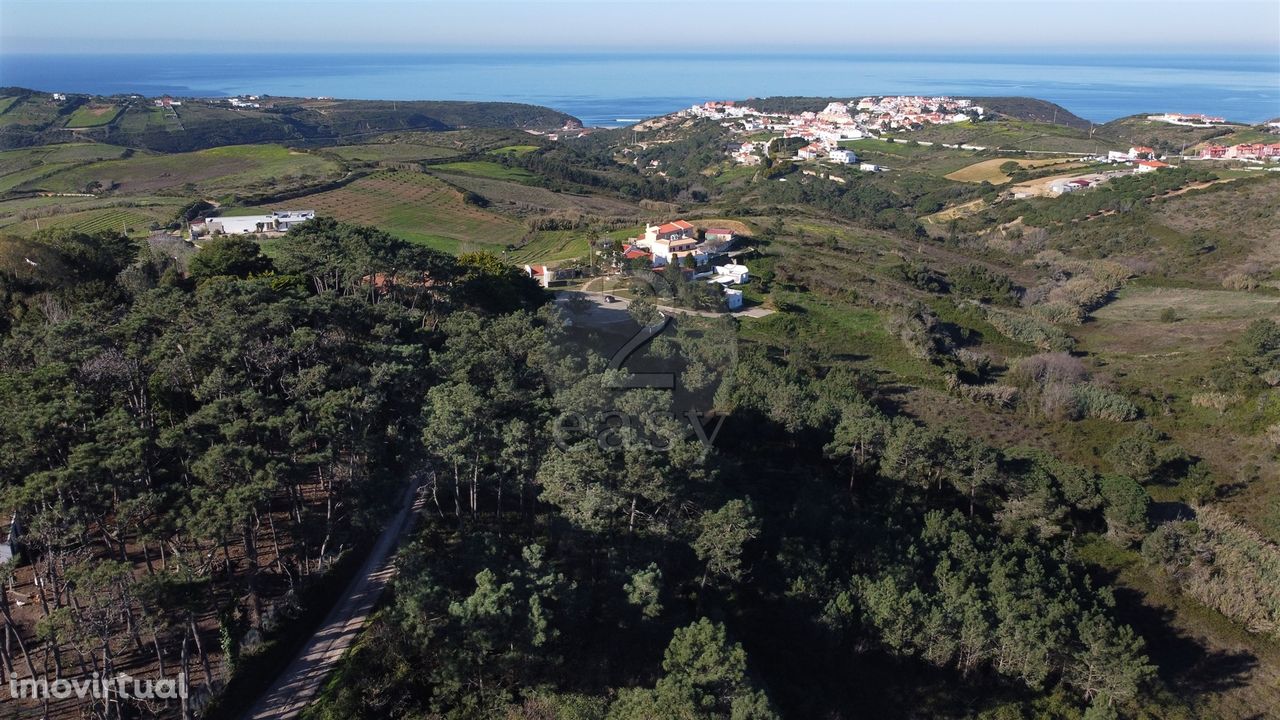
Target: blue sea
pixel 611 89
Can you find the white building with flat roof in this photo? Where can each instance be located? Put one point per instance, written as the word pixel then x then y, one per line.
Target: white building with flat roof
pixel 275 222
pixel 733 299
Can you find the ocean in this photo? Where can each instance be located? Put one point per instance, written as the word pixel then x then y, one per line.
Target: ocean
pixel 615 89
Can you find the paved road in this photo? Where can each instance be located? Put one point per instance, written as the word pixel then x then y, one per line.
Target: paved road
pixel 299 683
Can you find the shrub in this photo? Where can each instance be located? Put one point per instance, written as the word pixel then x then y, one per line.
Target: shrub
pixel 1048 368
pixel 1219 401
pixel 1029 330
pixel 1168 315
pixel 1239 281
pixel 1102 404
pixel 1224 565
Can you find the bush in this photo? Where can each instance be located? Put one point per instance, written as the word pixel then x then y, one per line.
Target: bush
pixel 1125 508
pixel 1049 368
pixel 1036 333
pixel 1223 564
pixel 1102 404
pixel 1168 315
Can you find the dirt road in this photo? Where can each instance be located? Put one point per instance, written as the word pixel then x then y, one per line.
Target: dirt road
pixel 299 683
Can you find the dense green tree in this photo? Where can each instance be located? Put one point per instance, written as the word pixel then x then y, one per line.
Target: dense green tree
pixel 231 256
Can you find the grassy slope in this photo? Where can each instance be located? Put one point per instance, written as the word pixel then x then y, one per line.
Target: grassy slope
pixel 484 169
pixel 1015 135
pixel 234 168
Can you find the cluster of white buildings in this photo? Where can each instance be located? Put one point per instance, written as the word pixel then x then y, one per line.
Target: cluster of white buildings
pixel 665 247
pixel 250 102
pixel 837 121
pixel 276 222
pixel 671 242
pixel 1196 120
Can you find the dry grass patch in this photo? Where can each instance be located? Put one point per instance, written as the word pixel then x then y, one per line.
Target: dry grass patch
pixel 989 170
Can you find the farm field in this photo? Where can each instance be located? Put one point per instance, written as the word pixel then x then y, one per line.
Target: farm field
pixel 484 169
pixel 6 103
pixel 1014 135
pixel 514 150
pixel 30 110
pixel 414 206
pixel 526 199
pixel 551 246
pixel 133 220
pixel 932 159
pixel 235 168
pixel 87 116
pixel 989 170
pixel 24 158
pixel 384 152
pixel 142 119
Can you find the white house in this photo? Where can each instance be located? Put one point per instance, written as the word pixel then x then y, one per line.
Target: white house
pixel 870 167
pixel 809 152
pixel 275 222
pixel 844 157
pixel 548 275
pixel 669 241
pixel 1117 156
pixel 731 274
pixel 733 299
pixel 1146 166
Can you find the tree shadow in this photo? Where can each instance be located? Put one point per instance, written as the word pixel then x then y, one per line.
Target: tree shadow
pixel 1184 663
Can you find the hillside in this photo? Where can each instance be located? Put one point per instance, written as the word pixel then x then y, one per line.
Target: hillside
pixel 33 118
pixel 1168 138
pixel 961 424
pixel 1034 110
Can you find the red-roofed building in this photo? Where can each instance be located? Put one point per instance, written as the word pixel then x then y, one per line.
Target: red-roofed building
pixel 631 252
pixel 668 241
pixel 1146 166
pixel 1141 152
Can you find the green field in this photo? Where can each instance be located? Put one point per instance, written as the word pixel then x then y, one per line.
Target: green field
pixel 514 150
pixel 6 103
pixel 27 165
pixel 87 116
pixel 385 152
pixel 142 119
pixel 34 110
pixel 491 170
pixel 1012 135
pixel 26 215
pixel 552 246
pixel 414 206
pixel 236 168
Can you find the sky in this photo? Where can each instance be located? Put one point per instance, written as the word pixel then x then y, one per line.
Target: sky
pixel 988 26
